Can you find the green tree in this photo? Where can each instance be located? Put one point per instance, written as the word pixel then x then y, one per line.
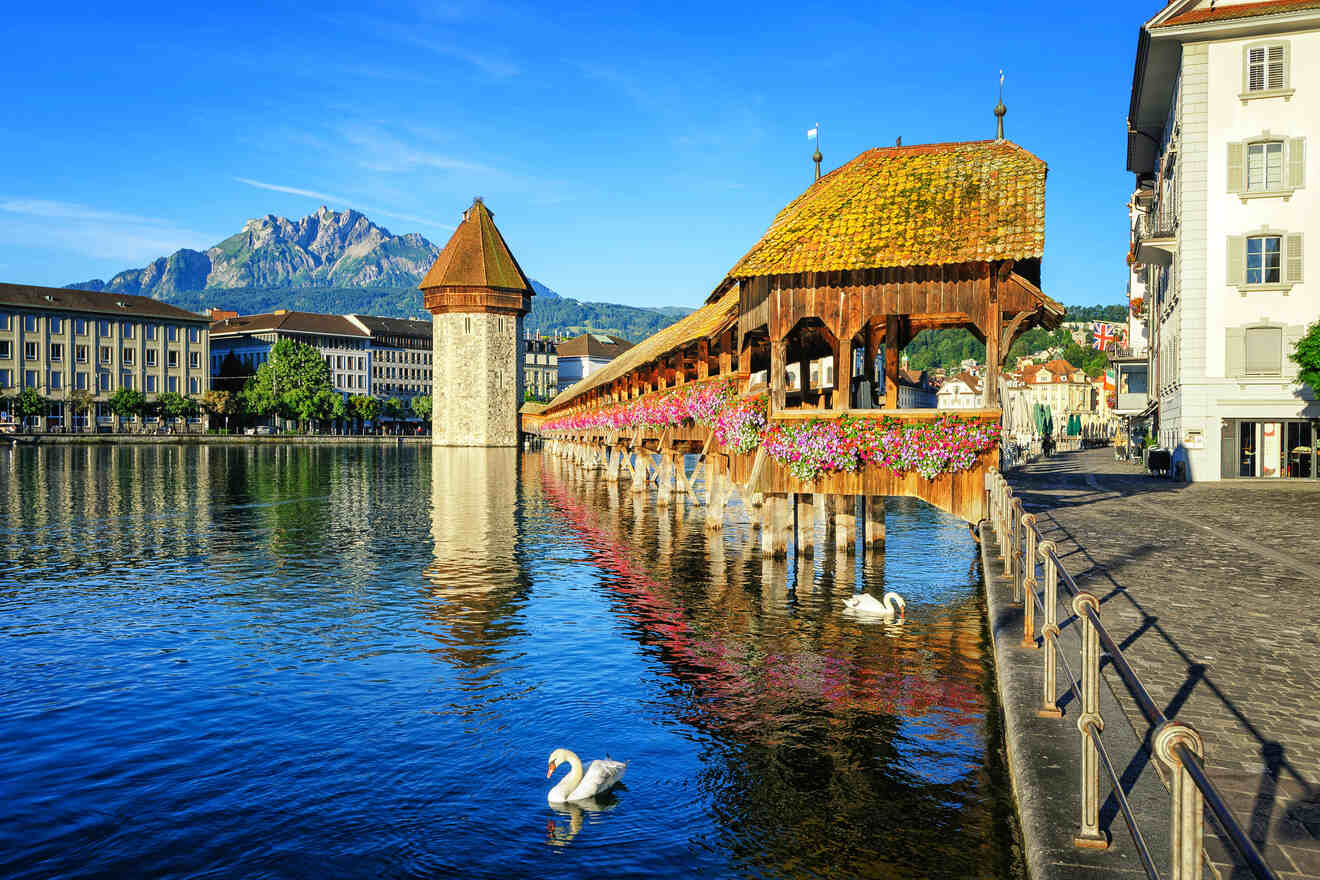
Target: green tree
pixel 127 403
pixel 421 405
pixel 1306 354
pixel 290 382
pixel 173 405
pixel 29 403
pixel 365 408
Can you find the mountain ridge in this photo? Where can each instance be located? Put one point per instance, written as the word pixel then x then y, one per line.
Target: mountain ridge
pixel 342 262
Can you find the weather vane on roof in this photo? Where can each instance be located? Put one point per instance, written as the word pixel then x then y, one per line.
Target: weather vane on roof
pixel 816 156
pixel 1000 110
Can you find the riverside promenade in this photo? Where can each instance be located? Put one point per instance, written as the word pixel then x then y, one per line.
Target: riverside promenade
pixel 1211 592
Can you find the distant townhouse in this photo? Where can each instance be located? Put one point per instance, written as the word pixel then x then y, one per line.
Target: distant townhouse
pixel 249 339
pixel 540 367
pixel 367 355
pixel 399 356
pixel 583 355
pixel 66 343
pixel 1225 105
pixel 1060 386
pixel 962 391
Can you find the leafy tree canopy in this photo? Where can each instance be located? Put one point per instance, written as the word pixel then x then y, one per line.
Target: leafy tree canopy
pixel 29 403
pixel 365 408
pixel 127 403
pixel 1306 354
pixel 421 405
pixel 173 405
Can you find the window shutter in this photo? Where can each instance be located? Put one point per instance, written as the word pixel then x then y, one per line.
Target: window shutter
pixel 1277 76
pixel 1291 336
pixel 1293 255
pixel 1236 253
pixel 1234 352
pixel 1235 168
pixel 1297 161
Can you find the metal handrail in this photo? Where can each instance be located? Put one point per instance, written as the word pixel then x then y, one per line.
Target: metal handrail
pixel 1176 744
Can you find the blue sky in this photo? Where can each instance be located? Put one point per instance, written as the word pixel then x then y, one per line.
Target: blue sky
pixel 631 153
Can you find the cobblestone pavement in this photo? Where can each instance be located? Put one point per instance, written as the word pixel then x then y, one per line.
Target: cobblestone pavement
pixel 1212 590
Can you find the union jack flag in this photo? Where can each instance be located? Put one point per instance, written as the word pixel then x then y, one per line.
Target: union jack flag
pixel 1106 335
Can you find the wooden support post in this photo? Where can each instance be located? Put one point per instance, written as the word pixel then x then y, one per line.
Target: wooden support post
pixel 726 353
pixel 716 494
pixel 639 471
pixel 778 375
pixel 703 359
pixel 874 539
pixel 774 531
pixel 803 539
pixel 612 461
pixel 843 364
pixel 664 492
pixel 845 524
pixel 893 344
pixel 993 328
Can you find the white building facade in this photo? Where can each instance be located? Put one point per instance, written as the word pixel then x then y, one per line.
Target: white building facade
pixel 1225 106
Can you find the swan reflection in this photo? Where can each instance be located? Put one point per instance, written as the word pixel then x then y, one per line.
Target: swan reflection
pixel 574 812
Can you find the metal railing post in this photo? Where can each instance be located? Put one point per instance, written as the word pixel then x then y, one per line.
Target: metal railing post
pixel 1186 825
pixel 1049 633
pixel 1019 536
pixel 1091 836
pixel 1010 536
pixel 1027 575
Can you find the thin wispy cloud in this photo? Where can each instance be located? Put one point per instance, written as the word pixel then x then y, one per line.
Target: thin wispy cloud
pixel 340 200
pixel 378 150
pixel 103 234
pixel 491 62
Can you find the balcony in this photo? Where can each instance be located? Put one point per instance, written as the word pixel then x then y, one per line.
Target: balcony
pixel 1156 234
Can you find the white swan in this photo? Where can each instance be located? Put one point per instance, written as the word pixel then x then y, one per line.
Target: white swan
pixel 576 786
pixel 891 607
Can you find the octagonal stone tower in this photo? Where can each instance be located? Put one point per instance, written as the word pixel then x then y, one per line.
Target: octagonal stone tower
pixel 478 296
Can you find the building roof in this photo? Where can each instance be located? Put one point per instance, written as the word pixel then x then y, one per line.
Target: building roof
pixel 1237 10
pixel 707 321
pixel 72 300
pixel 380 326
pixel 596 345
pixel 285 321
pixel 922 205
pixel 477 256
pixel 973 384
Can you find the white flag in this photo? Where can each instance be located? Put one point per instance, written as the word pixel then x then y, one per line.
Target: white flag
pixel 811 133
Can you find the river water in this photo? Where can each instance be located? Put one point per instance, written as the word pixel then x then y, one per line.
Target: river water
pixel 309 661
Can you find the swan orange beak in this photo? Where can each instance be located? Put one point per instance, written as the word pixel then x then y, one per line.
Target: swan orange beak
pixel 549 771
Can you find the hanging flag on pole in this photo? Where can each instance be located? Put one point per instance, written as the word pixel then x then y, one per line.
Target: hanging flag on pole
pixel 1107 334
pixel 811 132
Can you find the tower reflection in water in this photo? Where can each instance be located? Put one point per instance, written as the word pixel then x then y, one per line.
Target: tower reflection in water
pixel 477 584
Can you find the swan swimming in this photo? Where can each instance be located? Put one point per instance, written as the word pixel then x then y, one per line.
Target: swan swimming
pixel 890 607
pixel 600 776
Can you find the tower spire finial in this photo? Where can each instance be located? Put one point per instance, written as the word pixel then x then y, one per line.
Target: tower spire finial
pixel 1000 110
pixel 816 156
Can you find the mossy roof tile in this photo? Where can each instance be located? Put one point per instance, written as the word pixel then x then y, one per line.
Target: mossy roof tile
pixel 922 205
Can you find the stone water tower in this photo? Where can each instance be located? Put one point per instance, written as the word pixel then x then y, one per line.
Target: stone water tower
pixel 478 295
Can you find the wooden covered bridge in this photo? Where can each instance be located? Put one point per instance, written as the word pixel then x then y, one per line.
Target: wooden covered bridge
pixel 786 382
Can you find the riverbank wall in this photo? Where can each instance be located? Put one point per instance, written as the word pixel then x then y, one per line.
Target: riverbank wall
pixel 214 439
pixel 1044 753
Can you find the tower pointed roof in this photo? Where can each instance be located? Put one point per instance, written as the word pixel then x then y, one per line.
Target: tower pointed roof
pixel 477 256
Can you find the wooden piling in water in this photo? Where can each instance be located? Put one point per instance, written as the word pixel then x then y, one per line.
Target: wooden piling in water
pixel 845 524
pixel 874 537
pixel 804 532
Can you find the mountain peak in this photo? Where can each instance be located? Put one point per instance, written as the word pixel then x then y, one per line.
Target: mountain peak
pixel 324 249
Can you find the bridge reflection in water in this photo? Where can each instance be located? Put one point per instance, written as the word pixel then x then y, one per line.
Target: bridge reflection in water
pixel 849 746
